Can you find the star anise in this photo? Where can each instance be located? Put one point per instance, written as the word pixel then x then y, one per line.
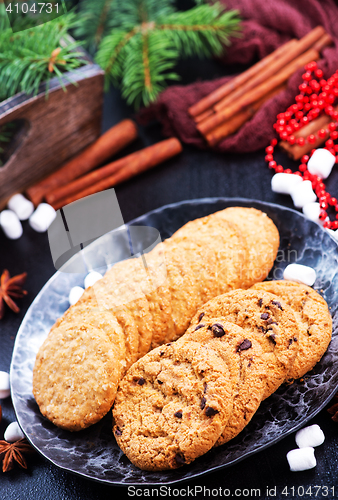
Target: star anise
pixel 13 452
pixel 333 410
pixel 11 288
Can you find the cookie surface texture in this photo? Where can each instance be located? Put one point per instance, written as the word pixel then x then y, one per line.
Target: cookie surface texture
pixel 76 375
pixel 262 241
pixel 243 355
pixel 172 406
pixel 314 322
pixel 266 316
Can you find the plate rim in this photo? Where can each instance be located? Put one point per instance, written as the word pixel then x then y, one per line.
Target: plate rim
pixel 194 201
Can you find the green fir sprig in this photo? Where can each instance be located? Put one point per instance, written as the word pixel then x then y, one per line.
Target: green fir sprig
pixel 139 42
pixel 36 55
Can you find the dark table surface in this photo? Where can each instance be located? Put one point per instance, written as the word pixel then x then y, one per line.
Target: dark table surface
pixel 193 174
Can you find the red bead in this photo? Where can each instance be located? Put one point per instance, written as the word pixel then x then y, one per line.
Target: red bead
pixel 268 158
pixel 287 115
pixel 311 139
pixel 272 164
pixel 333 201
pixel 279 169
pixel 324 205
pixel 332 126
pixel 305 159
pixel 307 106
pixel 297 173
pixel 291 139
pixel 269 150
pixel 273 142
pixel 305 120
pixel 334 224
pixel 288 171
pixel 302 87
pixel 299 115
pixel 322 215
pixel 336 208
pixel 321 103
pixel 284 135
pixel 327 224
pixel 319 73
pixel 329 143
pixel 322 133
pixel 296 126
pixel 302 167
pixel 306 76
pixel 301 141
pixel 299 98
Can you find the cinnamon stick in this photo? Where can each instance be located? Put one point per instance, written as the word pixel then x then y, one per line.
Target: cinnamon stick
pixel 109 176
pixel 233 124
pixel 258 92
pixel 296 49
pixel 218 94
pixel 106 146
pixel 296 151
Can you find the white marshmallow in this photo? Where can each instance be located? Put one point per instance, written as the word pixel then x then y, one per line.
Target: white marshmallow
pixel 312 211
pixel 5 390
pixel 13 433
pixel 301 459
pixel 10 224
pixel 321 163
pixel 310 436
pixel 75 294
pixel 302 194
pixel 300 274
pixel 42 217
pixel 284 183
pixel 21 206
pixel 92 278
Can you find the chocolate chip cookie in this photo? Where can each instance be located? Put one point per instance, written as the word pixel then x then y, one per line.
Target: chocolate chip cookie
pixel 172 406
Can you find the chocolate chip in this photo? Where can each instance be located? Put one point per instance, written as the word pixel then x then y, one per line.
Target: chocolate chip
pixel 200 316
pixel 179 458
pixel 169 343
pixel 141 381
pixel 210 412
pixel 278 304
pixel 271 322
pixel 295 339
pixel 265 316
pixel 260 302
pixel 178 414
pixel 161 353
pixel 203 402
pixel 261 328
pixel 199 326
pixel 243 346
pixel 272 338
pixel 159 382
pixel 218 330
pixel 290 342
pixel 118 432
pixel 205 388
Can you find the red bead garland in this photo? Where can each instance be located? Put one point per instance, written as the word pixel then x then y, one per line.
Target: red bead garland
pixel 315 98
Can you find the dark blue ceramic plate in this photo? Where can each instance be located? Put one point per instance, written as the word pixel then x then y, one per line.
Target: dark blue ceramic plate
pixel 93 453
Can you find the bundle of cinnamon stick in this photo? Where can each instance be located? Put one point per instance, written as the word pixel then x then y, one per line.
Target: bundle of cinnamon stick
pixel 73 182
pixel 226 109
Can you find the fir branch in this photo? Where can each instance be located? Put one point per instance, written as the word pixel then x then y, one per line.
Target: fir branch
pixel 140 54
pixel 27 58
